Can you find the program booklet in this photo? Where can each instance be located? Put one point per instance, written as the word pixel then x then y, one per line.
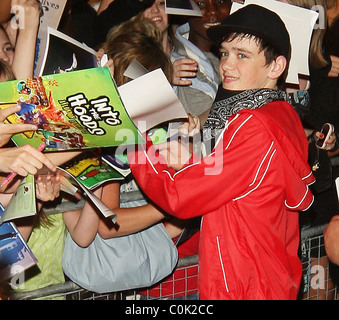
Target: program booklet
pixel 70 184
pixel 74 110
pixel 91 171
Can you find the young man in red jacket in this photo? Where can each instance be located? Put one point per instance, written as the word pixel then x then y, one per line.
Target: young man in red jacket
pixel 250 188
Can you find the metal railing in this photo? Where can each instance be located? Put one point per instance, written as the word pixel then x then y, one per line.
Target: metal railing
pixel 316 285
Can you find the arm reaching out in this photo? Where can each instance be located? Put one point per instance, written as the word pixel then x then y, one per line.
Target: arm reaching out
pixel 24 160
pixel 23 63
pixel 84 224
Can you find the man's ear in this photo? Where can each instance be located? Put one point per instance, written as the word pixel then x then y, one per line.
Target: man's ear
pixel 278 67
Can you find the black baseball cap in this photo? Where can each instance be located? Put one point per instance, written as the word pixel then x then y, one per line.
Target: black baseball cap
pixel 257 21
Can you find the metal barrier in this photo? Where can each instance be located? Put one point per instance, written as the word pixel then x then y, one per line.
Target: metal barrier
pixel 317 281
pixel 71 291
pixel 317 284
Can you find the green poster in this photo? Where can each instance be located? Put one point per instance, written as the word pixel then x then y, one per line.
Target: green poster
pixel 73 110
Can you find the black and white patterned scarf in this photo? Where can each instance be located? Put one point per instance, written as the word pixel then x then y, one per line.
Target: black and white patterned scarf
pixel 228 103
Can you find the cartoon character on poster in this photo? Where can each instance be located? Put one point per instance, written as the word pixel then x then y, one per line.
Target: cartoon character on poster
pixel 39 109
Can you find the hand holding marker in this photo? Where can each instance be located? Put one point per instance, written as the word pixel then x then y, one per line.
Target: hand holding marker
pixel 12 175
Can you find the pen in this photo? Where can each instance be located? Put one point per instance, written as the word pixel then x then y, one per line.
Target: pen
pixel 11 176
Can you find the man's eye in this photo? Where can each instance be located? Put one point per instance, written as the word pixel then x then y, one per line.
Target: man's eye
pixel 223 54
pixel 241 56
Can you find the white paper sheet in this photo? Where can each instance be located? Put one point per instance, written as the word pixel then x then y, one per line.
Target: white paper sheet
pixel 151 100
pixel 135 70
pixel 187 8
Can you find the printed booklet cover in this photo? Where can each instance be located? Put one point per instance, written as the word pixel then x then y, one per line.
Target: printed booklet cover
pixel 70 185
pixel 15 255
pixel 52 13
pixel 75 110
pixel 90 171
pixel 73 56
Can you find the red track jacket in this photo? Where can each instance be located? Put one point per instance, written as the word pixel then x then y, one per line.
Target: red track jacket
pixel 249 192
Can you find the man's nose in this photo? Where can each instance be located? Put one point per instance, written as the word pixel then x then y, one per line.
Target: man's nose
pixel 227 63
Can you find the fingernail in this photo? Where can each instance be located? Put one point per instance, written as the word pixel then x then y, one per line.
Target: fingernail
pixel 321 136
